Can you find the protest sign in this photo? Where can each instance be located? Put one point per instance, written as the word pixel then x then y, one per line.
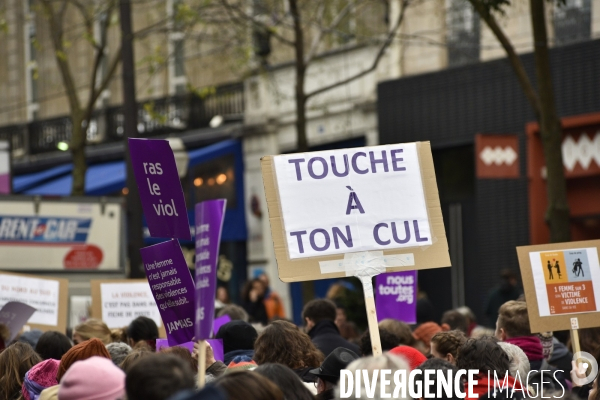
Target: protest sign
pixel 378 206
pixel 160 188
pixel 396 296
pixel 209 224
pixel 561 282
pixel 119 301
pixel 14 315
pixel 380 199
pixel 216 344
pixel 172 287
pixel 49 297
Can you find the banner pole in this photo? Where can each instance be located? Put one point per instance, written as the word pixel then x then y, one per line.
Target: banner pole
pixel 202 364
pixel 371 314
pixel 575 341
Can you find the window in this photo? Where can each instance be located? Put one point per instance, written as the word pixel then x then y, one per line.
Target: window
pixel 462 35
pixel 179 58
pixel 572 22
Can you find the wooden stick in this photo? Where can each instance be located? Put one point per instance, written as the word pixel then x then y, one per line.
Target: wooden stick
pixel 202 364
pixel 575 341
pixel 372 316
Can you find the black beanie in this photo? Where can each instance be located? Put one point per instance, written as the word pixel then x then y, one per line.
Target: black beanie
pixel 237 335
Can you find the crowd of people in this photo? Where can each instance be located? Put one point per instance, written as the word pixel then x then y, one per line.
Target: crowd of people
pixel 280 360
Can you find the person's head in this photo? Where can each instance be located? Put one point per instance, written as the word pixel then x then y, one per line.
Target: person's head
pixel 410 354
pixel 423 335
pixel 234 312
pixel 455 320
pixel 133 357
pixel 157 377
pixel 483 354
pixel 247 385
pixel 328 374
pixel 95 377
pixel 513 320
pixel 15 361
pixel 255 285
pixel 340 315
pixel 39 377
pixel 386 361
pixel 318 310
pixel 445 345
pixel 286 380
pixel 118 351
pixel 398 328
pixel 184 354
pixel 517 358
pixel 92 328
pixel 237 335
pixel 509 277
pixel 436 364
pixel 388 342
pixel 223 294
pixel 468 313
pixel 143 329
pixel 264 278
pixel 282 342
pixel 53 344
pixel 82 351
pixel 589 340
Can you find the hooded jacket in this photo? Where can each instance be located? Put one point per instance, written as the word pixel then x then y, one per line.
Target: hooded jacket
pixel 326 337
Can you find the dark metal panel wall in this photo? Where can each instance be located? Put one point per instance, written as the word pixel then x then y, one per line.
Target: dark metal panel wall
pixel 449 107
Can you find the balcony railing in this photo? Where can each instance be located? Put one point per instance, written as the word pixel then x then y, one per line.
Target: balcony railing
pixel 155 117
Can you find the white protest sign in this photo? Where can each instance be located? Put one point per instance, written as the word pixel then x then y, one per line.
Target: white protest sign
pixel 352 200
pixel 122 302
pixel 42 294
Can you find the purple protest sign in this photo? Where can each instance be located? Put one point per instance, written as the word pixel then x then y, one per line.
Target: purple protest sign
pixel 209 224
pixel 216 344
pixel 396 296
pixel 15 315
pixel 160 189
pixel 172 287
pixel 219 322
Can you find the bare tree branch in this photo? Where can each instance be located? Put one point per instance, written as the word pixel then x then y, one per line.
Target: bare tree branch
pixel 389 39
pixel 511 54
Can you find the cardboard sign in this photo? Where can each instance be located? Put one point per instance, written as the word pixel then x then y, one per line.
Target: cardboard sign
pixel 119 301
pixel 49 297
pixel 172 287
pixel 160 188
pixel 209 225
pixel 15 315
pixel 381 199
pixel 216 344
pixel 560 280
pixel 396 296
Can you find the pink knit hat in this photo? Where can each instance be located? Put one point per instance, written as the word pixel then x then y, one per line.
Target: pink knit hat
pixel 95 378
pixel 39 377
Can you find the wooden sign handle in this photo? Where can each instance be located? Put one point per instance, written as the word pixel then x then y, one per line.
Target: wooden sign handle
pixel 371 315
pixel 202 364
pixel 575 341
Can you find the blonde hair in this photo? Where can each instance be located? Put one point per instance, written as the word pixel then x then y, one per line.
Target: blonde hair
pixel 94 328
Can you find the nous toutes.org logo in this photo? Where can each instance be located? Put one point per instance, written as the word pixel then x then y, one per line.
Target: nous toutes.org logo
pixel 586 368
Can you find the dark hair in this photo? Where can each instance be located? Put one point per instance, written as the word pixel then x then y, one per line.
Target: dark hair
pixel 484 354
pixel 513 318
pixel 15 361
pixel 143 328
pixel 437 364
pixel 248 288
pixel 287 381
pixel 133 357
pixel 246 385
pixel 157 377
pixel 53 345
pixel 183 354
pixel 398 328
pixel 319 310
pixel 589 338
pixel 282 342
pixel 455 320
pixel 449 342
pixel 388 342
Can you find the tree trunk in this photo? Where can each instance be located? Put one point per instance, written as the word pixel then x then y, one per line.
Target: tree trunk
pixel 557 214
pixel 300 76
pixel 78 152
